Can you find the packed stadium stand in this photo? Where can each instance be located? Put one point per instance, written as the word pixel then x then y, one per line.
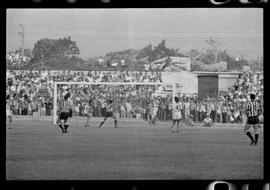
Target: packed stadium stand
pixel 32 94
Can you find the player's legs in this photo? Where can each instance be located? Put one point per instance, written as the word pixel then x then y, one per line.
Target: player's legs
pixel 174 125
pixel 246 130
pixel 256 132
pixel 186 118
pixel 60 122
pixel 89 115
pixel 105 118
pixel 256 126
pixel 154 120
pixel 149 118
pixel 177 125
pixel 66 124
pixel 115 120
pixel 61 125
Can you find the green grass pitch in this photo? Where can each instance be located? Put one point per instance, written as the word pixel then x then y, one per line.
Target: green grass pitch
pixel 36 150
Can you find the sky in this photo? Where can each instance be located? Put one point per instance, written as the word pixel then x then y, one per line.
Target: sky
pixel 100 31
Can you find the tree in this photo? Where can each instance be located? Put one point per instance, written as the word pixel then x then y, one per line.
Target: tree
pixel 214 47
pixel 193 53
pixel 147 51
pixel 45 49
pixel 162 51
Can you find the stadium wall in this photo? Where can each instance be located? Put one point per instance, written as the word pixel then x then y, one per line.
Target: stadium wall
pixel 187 80
pixel 226 80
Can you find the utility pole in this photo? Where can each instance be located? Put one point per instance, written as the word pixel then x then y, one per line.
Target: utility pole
pixel 21 33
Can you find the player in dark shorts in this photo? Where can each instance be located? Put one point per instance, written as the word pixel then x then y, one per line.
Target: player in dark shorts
pixel 65 107
pixel 109 113
pixel 252 110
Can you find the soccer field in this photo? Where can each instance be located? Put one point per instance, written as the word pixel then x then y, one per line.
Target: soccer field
pixel 36 150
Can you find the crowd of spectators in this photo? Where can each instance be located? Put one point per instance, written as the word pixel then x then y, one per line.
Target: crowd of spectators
pixel 32 91
pixel 32 94
pixel 15 58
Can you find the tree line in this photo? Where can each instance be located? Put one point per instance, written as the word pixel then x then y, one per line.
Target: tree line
pixel 63 53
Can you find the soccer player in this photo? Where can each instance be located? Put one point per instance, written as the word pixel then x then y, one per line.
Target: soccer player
pixel 89 109
pixel 176 115
pixel 109 113
pixel 150 108
pixel 65 107
pixel 252 110
pixel 154 112
pixel 9 112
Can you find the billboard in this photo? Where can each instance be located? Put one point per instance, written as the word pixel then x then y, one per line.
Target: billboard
pixel 173 64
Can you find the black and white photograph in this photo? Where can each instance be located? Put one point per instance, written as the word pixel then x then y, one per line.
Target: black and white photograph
pixel 135 94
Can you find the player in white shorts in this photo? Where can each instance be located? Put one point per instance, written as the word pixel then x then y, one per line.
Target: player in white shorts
pixel 9 112
pixel 88 112
pixel 176 115
pixel 155 110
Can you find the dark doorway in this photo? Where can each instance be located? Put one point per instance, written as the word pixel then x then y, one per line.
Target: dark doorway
pixel 207 86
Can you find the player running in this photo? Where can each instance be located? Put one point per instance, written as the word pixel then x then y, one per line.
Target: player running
pixel 9 112
pixel 88 112
pixel 252 110
pixel 176 115
pixel 109 113
pixel 65 108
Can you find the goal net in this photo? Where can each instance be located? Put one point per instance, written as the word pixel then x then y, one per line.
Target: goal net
pixel 132 98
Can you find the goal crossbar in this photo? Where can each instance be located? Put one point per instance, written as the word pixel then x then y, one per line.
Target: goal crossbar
pixel 103 83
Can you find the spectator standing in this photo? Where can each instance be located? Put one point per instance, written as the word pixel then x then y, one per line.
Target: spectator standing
pixel 218 110
pixel 122 110
pixel 192 109
pixel 129 108
pixel 187 109
pixel 229 113
pixel 197 110
pixel 213 112
pixel 224 112
pixel 29 108
pixel 43 109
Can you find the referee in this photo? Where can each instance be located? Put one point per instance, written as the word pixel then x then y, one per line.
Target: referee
pixel 253 109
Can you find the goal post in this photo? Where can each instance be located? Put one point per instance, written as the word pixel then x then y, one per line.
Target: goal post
pixel 174 89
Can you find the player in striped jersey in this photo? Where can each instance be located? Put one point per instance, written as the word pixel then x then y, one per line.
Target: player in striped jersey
pixel 65 107
pixel 9 111
pixel 252 110
pixel 176 115
pixel 109 113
